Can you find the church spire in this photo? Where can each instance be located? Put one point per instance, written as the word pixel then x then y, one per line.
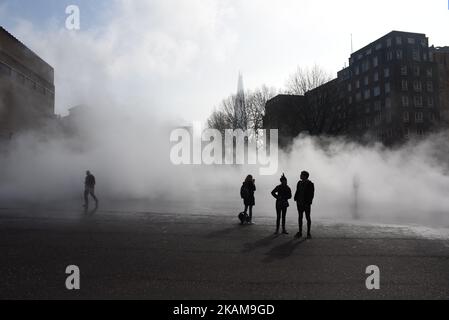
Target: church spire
pixel 240 118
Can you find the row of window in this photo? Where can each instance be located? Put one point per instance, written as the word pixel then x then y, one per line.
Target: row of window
pixel 376 92
pixel 418 101
pixel 387 118
pixel 404 72
pixel 5 70
pixel 417 86
pixel 389 42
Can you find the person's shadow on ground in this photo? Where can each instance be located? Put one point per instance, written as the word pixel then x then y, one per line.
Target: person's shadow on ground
pixel 90 213
pixel 283 251
pixel 248 247
pixel 221 233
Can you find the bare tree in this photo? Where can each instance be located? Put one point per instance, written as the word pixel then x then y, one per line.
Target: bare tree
pixel 255 101
pixel 323 111
pixel 305 79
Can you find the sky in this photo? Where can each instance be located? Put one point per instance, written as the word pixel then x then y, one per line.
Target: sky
pixel 180 58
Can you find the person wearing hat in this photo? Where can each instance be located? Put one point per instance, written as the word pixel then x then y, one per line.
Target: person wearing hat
pixel 282 193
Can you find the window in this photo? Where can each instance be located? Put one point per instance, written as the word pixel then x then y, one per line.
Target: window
pixel 376 91
pixel 349 87
pixel 399 54
pixel 406 133
pixel 388 116
pixel 388 42
pixel 429 72
pixel 411 41
pixel 415 54
pixel 387 87
pixel 430 102
pixel 379 46
pixel 358 96
pixel 357 84
pixel 417 71
pixel 405 101
pixel 368 123
pixel 417 86
pixel 419 117
pixel 404 85
pixel 365 66
pixel 418 101
pixel 366 80
pixel 386 72
pixel 377 106
pixel 367 94
pixel 377 120
pixel 388 103
pixel 398 41
pixel 375 61
pixel 389 55
pixel 404 70
pixel 350 100
pixel 376 76
pixel 429 86
pixel 368 52
pixel 406 117
pixel 357 70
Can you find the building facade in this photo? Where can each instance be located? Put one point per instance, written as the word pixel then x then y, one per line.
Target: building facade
pixel 394 88
pixel 441 58
pixel 391 89
pixel 27 91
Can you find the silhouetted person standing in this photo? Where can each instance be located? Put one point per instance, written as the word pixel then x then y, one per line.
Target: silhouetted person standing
pixel 89 189
pixel 282 193
pixel 305 193
pixel 247 193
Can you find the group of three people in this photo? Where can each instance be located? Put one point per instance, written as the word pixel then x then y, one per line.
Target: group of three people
pixel 305 193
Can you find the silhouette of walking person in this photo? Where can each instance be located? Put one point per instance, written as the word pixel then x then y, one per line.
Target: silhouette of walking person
pixel 89 189
pixel 305 192
pixel 282 193
pixel 247 194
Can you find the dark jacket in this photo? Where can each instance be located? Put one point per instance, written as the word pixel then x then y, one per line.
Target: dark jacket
pixel 90 181
pixel 282 193
pixel 247 193
pixel 305 192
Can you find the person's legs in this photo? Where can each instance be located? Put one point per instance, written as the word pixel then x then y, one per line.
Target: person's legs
pixel 246 209
pixel 308 210
pixel 284 214
pixel 278 219
pixel 86 198
pixel 300 217
pixel 251 213
pixel 92 193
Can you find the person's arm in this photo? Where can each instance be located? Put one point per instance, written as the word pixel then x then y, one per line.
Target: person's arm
pixel 274 193
pixel 289 194
pixel 312 192
pixel 296 193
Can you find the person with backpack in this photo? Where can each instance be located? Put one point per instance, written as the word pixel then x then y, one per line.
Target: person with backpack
pixel 247 194
pixel 282 193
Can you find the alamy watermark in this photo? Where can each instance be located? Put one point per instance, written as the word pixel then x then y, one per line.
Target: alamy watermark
pixel 197 146
pixel 73 20
pixel 373 280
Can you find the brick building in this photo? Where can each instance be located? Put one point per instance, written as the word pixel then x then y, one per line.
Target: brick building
pixel 394 88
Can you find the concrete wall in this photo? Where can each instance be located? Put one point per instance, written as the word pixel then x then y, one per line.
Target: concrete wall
pixel 27 92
